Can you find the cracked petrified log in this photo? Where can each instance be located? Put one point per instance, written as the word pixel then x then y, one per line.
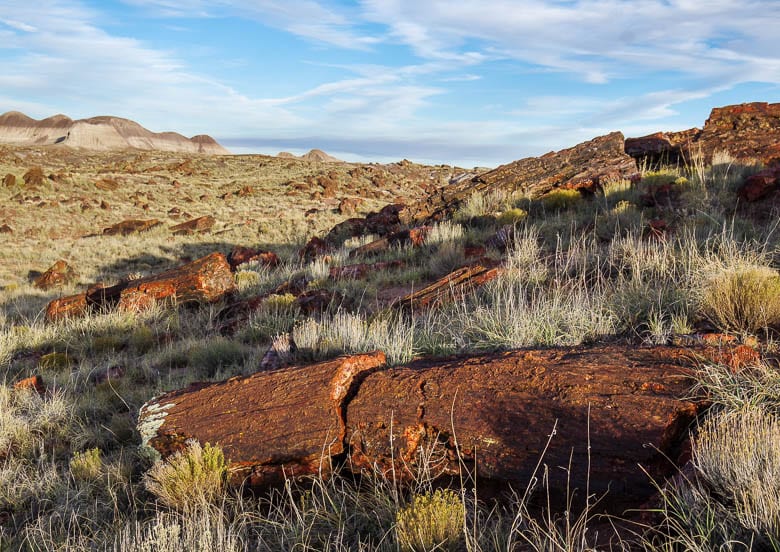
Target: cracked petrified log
pixel 200 225
pixel 204 280
pixel 490 413
pixel 131 226
pixel 448 288
pixel 584 167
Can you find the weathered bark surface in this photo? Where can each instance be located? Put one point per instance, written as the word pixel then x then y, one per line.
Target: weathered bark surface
pixel 204 280
pixel 200 224
pixel 270 424
pixel 491 413
pixel 453 285
pixel 584 166
pixel 130 226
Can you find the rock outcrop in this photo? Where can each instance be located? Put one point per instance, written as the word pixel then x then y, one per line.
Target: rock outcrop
pixel 583 167
pixel 205 280
pixel 618 410
pixel 102 133
pixel 747 132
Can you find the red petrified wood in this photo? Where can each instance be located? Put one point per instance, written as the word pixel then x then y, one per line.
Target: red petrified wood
pixel 204 281
pixel 490 413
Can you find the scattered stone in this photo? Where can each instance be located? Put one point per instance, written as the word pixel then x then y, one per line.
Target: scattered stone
pixel 240 255
pixel 204 280
pixel 200 225
pixel 107 184
pixel 450 287
pixel 33 383
pixel 363 270
pixel 316 247
pixel 9 181
pixel 34 177
pixel 130 226
pixel 502 407
pixel 59 274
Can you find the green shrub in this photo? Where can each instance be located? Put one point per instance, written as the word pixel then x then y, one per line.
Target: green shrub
pixel 512 216
pixel 87 465
pixel 743 299
pixel 190 478
pixel 560 199
pixel 432 521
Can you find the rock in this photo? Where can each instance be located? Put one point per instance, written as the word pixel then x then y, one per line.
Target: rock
pixel 584 166
pixel 5 229
pixel 747 132
pixel 59 274
pixel 246 191
pixel 314 248
pixel 34 177
pixel 107 184
pixel 414 236
pixel 317 301
pixel 384 222
pixel 200 225
pixel 350 228
pixel 107 374
pixel 105 205
pixel 240 255
pixel 204 280
pixel 446 289
pixel 9 181
pixel 131 226
pixel 34 383
pixel 349 205
pixel 360 271
pixel 759 185
pixel 614 409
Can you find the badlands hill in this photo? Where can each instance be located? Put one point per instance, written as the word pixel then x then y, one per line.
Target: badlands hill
pixel 104 133
pixel 315 155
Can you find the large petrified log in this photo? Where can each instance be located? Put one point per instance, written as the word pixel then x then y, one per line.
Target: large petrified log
pixel 489 413
pixel 585 166
pixel 449 287
pixel 204 280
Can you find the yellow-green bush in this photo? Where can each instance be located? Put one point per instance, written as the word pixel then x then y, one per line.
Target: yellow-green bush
pixel 431 521
pixel 558 200
pixel 512 216
pixel 743 299
pixel 87 465
pixel 190 478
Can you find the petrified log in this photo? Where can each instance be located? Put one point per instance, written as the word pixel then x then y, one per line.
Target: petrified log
pixel 415 237
pixel 451 286
pixel 240 255
pixel 360 271
pixel 58 274
pixel 490 413
pixel 200 224
pixel 204 280
pixel 130 226
pixel 584 166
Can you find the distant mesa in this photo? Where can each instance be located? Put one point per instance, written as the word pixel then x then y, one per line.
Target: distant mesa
pixel 104 133
pixel 316 155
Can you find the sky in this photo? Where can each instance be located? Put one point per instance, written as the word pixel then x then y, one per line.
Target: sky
pixel 468 82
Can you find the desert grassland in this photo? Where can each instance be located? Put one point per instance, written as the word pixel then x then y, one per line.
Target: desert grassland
pixel 579 270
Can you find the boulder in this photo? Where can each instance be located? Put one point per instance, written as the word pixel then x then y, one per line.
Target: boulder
pixel 130 226
pixel 59 274
pixel 200 225
pixel 240 255
pixel 444 290
pixel 618 410
pixel 34 177
pixel 9 181
pixel 583 167
pixel 204 280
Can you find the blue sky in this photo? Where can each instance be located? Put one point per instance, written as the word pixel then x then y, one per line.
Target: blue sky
pixel 473 82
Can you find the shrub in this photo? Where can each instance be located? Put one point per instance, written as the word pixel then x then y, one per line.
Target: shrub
pixel 560 199
pixel 190 478
pixel 743 299
pixel 432 521
pixel 512 216
pixel 87 465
